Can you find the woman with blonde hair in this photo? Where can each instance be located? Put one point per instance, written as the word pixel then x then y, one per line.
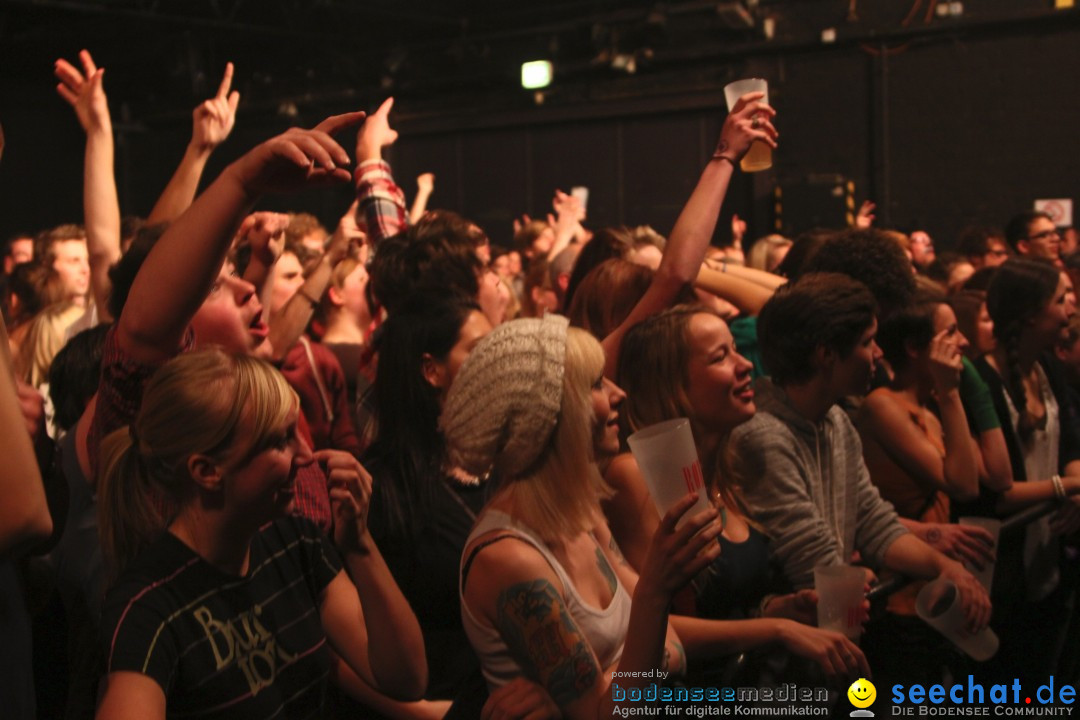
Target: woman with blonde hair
pixel 683 363
pixel 768 252
pixel 540 569
pixel 226 602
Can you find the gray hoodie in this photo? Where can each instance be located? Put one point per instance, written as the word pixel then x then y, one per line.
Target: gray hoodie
pixel 808 486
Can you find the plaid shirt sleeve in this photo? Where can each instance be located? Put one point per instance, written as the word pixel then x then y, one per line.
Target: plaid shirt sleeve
pixel 381 201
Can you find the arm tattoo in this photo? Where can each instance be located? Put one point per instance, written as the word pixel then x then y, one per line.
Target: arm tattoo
pixel 679 666
pixel 535 624
pixel 605 568
pixel 933 535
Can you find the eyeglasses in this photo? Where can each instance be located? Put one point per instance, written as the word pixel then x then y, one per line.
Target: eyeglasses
pixel 1045 235
pixel 997 252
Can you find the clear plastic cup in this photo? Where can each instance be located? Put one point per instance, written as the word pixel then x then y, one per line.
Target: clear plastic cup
pixel 993 526
pixel 841 591
pixel 759 157
pixel 668 460
pixel 938 603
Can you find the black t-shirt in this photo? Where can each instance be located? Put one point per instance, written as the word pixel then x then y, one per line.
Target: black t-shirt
pixel 425 565
pixel 226 646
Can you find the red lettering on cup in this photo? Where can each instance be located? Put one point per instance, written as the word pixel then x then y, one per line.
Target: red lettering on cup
pixel 692 477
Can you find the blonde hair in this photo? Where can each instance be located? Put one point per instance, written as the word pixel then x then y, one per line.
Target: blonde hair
pixel 561 497
pixel 763 251
pixel 227 407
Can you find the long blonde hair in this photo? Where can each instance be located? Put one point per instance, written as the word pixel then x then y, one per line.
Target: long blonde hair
pixel 226 407
pixel 561 497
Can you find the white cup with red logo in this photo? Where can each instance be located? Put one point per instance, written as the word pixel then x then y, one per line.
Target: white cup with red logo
pixel 841 590
pixel 668 460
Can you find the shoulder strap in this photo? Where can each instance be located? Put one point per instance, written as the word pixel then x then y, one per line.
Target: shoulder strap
pixel 480 546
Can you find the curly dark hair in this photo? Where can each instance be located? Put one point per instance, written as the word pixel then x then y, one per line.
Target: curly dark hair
pixel 821 309
pixel 438 252
pixel 875 259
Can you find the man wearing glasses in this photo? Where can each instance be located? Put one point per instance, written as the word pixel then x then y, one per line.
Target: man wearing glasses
pixel 1033 234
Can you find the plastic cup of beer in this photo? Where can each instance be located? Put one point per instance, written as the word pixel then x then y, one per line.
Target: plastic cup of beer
pixel 993 526
pixel 759 157
pixel 668 460
pixel 938 603
pixel 840 590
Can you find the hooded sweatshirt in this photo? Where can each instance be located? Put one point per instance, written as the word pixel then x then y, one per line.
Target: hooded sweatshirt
pixel 807 484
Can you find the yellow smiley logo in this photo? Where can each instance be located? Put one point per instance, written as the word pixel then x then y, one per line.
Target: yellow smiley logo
pixel 862 693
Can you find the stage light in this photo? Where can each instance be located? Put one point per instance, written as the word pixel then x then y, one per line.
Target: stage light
pixel 535 74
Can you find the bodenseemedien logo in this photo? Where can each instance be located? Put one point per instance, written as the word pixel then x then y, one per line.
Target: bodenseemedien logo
pixel 862 695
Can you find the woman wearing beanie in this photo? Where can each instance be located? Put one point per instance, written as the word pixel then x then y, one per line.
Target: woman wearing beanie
pixel 545 593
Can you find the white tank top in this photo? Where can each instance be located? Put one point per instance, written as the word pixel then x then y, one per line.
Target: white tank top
pixel 604 630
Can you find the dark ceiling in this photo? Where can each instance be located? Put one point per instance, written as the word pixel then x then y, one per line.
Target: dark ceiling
pixel 436 56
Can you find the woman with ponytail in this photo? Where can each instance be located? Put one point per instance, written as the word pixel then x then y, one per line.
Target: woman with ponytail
pixel 225 602
pixel 1030 302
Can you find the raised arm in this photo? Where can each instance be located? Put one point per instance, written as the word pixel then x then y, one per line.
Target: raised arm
pixel 566 222
pixel 101 208
pixel 749 120
pixel 954 473
pixel 213 120
pixel 180 270
pixel 425 185
pixel 289 324
pixel 368 621
pixel 381 202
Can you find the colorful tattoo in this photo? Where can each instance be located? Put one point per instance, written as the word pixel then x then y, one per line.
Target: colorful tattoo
pixel 535 624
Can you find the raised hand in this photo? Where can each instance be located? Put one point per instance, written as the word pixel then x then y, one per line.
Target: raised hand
pixel 425 183
pixel 521 222
pixel 748 121
pixel 265 233
pixel 350 497
pixel 297 159
pixel 84 91
pixel 945 361
pixel 865 217
pixel 738 229
pixel 376 133
pixel 347 234
pixel 213 120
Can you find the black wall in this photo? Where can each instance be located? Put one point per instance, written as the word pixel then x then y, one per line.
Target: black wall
pixel 952 128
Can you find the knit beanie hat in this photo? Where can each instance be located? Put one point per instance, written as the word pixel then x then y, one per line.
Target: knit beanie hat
pixel 504 403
